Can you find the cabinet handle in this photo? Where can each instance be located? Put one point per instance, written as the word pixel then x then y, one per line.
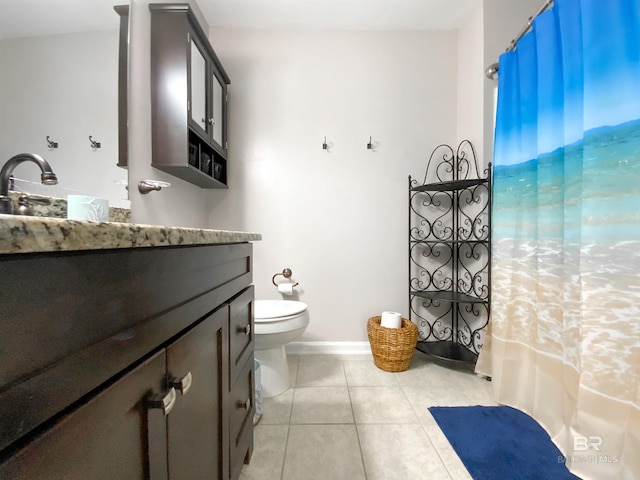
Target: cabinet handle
pixel 246 404
pixel 182 384
pixel 164 402
pixel 212 121
pixel 246 330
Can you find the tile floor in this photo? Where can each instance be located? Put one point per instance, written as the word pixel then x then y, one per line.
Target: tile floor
pixel 344 418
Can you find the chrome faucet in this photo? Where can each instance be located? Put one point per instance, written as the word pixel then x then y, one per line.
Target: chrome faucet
pixel 48 177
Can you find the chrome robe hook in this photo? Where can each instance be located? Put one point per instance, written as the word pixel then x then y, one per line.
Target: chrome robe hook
pixel 51 143
pixel 94 144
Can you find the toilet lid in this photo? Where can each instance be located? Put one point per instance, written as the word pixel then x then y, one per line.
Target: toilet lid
pixel 270 309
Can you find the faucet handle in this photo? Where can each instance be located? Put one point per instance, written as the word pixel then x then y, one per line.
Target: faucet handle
pixel 25 202
pixel 23 207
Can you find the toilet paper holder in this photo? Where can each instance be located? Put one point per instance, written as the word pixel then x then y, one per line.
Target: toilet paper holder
pixel 286 273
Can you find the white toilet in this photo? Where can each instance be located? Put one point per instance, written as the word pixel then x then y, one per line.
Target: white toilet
pixel 276 323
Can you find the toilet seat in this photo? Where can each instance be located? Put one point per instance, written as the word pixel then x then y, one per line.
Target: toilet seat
pixel 288 317
pixel 277 310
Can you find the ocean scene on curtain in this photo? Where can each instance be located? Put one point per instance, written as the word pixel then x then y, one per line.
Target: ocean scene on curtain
pixel 566 230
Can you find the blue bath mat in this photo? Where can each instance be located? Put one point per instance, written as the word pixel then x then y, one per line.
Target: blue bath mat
pixel 500 443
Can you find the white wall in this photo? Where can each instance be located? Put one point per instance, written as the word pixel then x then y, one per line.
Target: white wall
pixel 65 87
pixel 337 218
pixel 470 80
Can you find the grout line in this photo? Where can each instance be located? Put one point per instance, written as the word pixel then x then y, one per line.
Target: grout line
pixel 355 424
pixel 437 450
pixel 444 463
pixel 284 456
pixel 293 397
pixel 293 387
pixel 424 429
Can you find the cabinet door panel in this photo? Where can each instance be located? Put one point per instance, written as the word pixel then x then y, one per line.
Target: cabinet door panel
pixel 241 335
pixel 105 439
pixel 198 86
pixel 195 448
pixel 218 119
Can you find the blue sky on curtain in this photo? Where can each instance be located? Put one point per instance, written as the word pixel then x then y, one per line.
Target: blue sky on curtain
pixel 564 342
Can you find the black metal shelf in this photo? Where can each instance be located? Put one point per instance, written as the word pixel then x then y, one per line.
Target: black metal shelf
pixel 448 242
pixel 450 186
pixel 448 351
pixel 450 254
pixel 447 296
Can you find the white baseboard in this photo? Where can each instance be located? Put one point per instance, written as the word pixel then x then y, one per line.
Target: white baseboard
pixel 328 348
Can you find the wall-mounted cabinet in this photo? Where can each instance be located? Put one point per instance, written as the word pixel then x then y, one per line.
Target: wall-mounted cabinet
pixel 188 99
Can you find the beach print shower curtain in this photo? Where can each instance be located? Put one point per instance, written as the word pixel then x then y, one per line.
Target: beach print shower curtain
pixel 564 336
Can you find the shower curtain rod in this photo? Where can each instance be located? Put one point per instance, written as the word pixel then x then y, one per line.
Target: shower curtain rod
pixel 492 69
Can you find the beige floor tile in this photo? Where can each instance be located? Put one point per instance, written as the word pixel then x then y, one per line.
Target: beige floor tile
pixel 318 358
pixel 422 371
pixel 445 451
pixel 321 373
pixel 390 411
pixel 419 373
pixel 423 397
pixel 399 452
pixel 341 357
pixel 277 410
pixel 366 374
pixel 321 405
pixel 323 452
pixel 462 378
pixel 268 454
pixel 293 361
pixel 381 405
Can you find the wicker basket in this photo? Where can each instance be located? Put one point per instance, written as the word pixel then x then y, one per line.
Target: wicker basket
pixel 392 348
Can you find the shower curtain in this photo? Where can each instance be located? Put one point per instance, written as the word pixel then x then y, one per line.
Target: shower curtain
pixel 564 337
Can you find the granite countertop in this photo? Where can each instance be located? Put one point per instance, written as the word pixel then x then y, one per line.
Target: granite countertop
pixel 20 234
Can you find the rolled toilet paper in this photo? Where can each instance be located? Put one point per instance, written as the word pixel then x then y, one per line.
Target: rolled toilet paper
pixel 391 320
pixel 82 207
pixel 285 288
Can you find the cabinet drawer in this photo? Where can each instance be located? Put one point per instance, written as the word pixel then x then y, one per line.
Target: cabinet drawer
pixel 241 410
pixel 241 336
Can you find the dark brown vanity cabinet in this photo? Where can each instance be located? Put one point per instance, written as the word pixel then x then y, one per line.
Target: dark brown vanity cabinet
pixel 178 399
pixel 163 420
pixel 188 99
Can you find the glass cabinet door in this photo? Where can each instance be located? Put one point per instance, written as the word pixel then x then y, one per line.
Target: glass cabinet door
pixel 218 119
pixel 198 87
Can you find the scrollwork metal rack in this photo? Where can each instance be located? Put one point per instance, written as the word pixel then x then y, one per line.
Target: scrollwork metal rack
pixel 450 254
